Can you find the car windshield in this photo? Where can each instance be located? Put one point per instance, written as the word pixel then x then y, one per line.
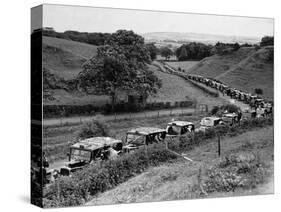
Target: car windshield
pixel 216 122
pixel 135 139
pixel 174 129
pixel 79 154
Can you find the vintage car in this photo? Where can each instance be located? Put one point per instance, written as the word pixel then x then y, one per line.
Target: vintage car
pixel 143 136
pixel 178 128
pixel 209 122
pixel 230 118
pixel 86 151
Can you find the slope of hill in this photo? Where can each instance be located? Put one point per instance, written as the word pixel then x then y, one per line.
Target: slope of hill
pixel 64 57
pixel 175 88
pixel 177 180
pixel 80 49
pixel 245 69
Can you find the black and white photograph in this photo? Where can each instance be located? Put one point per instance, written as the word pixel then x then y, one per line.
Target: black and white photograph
pixel 133 106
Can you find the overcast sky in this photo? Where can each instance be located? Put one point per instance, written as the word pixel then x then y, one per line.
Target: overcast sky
pixel 90 19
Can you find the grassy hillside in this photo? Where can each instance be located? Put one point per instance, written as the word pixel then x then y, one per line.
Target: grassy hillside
pixel 179 180
pixel 253 72
pixel 175 88
pixel 64 57
pixel 185 65
pixel 245 69
pixel 79 49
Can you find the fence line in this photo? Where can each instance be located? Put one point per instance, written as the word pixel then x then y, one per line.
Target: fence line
pixel 117 117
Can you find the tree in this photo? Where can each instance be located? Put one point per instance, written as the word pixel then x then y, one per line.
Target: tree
pixel 121 64
pixel 152 50
pixel 183 54
pixel 166 52
pixel 236 46
pixel 267 41
pixel 258 91
pixel 193 51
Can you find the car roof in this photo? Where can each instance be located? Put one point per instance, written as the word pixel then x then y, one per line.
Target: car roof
pixel 145 130
pixel 181 123
pixel 229 114
pixel 95 143
pixel 212 118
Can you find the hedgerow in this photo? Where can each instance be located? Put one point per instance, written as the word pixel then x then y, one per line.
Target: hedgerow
pixel 97 178
pixel 189 142
pixel 75 190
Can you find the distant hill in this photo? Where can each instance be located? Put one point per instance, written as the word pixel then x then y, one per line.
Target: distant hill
pixel 197 37
pixel 245 69
pixel 65 57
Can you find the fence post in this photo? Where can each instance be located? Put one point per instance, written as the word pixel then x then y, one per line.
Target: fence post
pixel 158 114
pixel 219 144
pixel 115 116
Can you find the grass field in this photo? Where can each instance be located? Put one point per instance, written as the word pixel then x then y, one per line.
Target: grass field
pixel 65 57
pixel 245 69
pixel 176 181
pixel 177 89
pixel 185 65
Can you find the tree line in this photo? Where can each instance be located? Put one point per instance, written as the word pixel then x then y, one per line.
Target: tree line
pixel 94 38
pixel 198 51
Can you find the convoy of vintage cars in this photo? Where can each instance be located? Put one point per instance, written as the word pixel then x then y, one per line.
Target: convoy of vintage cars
pixel 96 149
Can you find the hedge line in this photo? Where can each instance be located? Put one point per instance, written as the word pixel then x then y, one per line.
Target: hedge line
pixel 188 143
pixel 99 178
pixel 50 111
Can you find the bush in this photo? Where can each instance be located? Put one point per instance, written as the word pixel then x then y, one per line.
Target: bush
pixel 99 178
pixel 242 170
pixel 258 91
pixel 93 128
pixel 214 110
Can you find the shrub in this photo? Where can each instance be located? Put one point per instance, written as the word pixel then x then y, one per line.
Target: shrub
pixel 243 170
pixel 258 91
pixel 214 110
pixel 101 177
pixel 93 128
